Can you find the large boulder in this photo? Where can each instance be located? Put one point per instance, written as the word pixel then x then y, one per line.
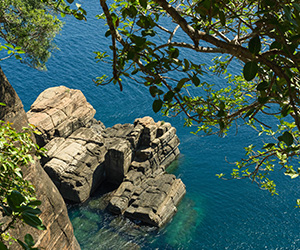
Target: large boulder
pixel 72 137
pixel 59 233
pixel 76 164
pixel 59 111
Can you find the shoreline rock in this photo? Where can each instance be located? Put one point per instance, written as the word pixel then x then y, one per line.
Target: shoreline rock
pixel 82 153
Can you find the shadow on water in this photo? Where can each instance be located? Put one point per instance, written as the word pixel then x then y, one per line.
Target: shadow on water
pixel 95 228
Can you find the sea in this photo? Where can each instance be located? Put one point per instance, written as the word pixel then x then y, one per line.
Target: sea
pixel 214 214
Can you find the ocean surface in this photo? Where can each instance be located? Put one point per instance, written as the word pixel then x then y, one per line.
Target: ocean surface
pixel 215 214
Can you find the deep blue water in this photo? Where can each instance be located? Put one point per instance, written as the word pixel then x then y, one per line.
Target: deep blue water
pixel 215 214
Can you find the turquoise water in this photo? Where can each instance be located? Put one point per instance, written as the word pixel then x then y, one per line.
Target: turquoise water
pixel 215 214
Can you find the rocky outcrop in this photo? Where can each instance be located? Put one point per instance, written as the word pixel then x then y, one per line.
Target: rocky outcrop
pixel 76 150
pixel 59 233
pixel 147 193
pixel 82 153
pixel 58 112
pixel 76 164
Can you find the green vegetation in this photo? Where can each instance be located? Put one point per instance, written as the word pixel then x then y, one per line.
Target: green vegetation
pixel 17 196
pixel 151 38
pixel 29 27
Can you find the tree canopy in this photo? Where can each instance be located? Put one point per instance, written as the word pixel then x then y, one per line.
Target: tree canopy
pixel 151 44
pixel 27 28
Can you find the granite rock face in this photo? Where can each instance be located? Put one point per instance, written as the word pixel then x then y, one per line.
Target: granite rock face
pixel 82 153
pixel 59 233
pixel 59 111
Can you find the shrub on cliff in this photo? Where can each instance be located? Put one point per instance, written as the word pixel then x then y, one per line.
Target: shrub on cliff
pixel 27 30
pixel 18 202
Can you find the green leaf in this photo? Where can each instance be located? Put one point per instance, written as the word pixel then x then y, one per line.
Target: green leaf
pixel 262 100
pixel 7 210
pixel 276 45
pixel 175 53
pixel 269 145
pixel 186 65
pixel 149 32
pixel 287 138
pixel 196 80
pixel 2 246
pixel 29 240
pixel 153 91
pixel 33 220
pixel 14 199
pixel 181 83
pixel 27 209
pixel 130 55
pixel 262 86
pixel 222 17
pixel 132 11
pixel 34 203
pixel 22 244
pixel 18 57
pixel 254 45
pixel 143 3
pixel 249 71
pixel 107 33
pixel 157 104
pixel 286 110
pixel 169 96
pixel 9 45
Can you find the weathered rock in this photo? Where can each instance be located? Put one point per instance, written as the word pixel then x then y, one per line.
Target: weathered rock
pixel 59 233
pixel 59 111
pixel 131 156
pixel 76 164
pixel 154 201
pixel 117 159
pixel 147 193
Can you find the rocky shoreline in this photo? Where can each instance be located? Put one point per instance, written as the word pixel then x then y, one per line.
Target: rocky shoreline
pixel 82 154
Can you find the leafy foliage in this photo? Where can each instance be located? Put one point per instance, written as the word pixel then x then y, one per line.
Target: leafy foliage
pixel 17 195
pixel 262 35
pixel 29 27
